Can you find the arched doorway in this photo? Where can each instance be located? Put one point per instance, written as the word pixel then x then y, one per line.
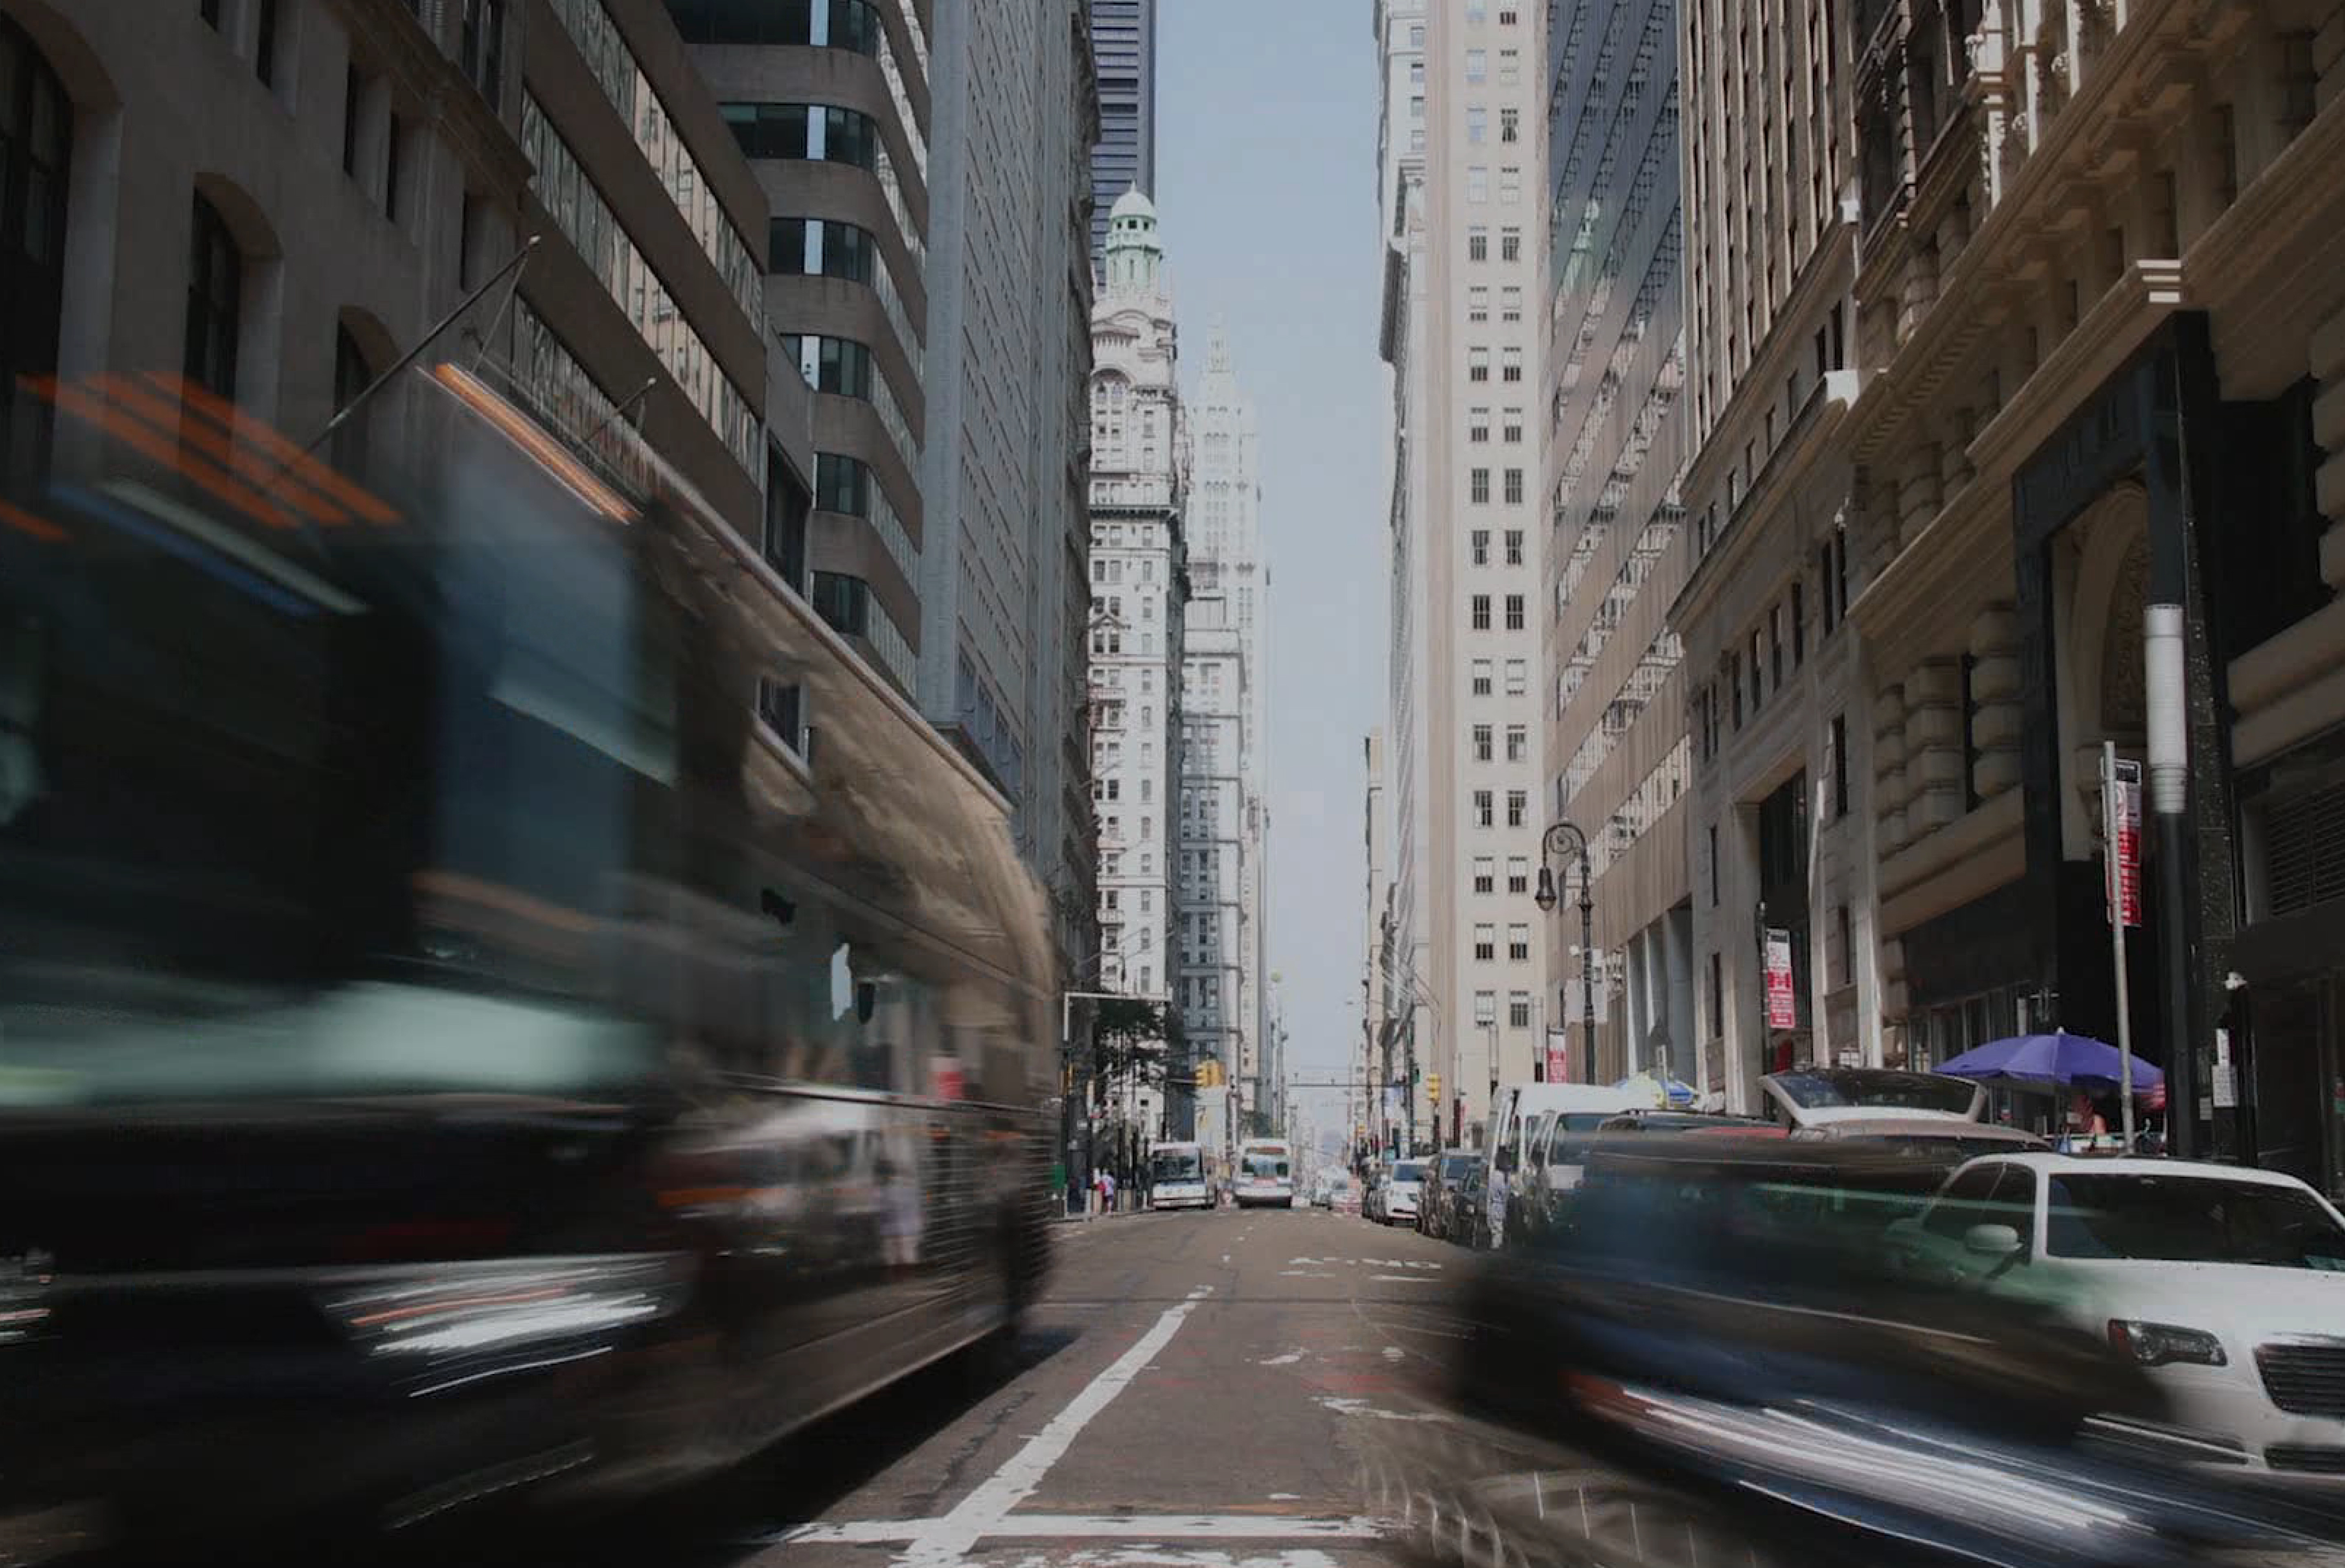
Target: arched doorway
pixel 35 143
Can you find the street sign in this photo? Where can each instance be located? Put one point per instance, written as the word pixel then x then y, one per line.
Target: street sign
pixel 1782 997
pixel 2124 878
pixel 1558 1056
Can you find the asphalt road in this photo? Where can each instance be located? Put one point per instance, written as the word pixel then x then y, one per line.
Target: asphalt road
pixel 1196 1390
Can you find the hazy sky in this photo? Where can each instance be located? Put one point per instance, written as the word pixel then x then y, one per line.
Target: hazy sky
pixel 1266 168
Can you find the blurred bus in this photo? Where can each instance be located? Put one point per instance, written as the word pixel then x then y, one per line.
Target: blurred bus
pixel 1265 1174
pixel 1176 1177
pixel 493 990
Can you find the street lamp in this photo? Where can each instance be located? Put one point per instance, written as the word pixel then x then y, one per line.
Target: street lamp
pixel 1558 838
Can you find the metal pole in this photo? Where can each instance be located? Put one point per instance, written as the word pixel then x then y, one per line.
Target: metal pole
pixel 1586 962
pixel 2168 783
pixel 2110 814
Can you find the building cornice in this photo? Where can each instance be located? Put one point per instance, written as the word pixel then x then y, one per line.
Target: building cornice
pixel 1812 436
pixel 1723 443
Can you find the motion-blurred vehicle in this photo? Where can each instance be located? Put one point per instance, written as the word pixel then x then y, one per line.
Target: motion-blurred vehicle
pixel 2227 1284
pixel 1374 1186
pixel 1265 1174
pixel 1551 1163
pixel 1177 1176
pixel 1402 1193
pixel 1819 1096
pixel 1446 1174
pixel 460 1037
pixel 1720 1334
pixel 1467 1223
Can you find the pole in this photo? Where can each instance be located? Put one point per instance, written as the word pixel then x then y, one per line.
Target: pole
pixel 1587 964
pixel 2167 736
pixel 2111 813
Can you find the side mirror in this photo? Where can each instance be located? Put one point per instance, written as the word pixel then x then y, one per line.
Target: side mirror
pixel 1992 1240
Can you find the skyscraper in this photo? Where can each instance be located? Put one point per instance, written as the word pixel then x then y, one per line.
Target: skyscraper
pixel 1124 45
pixel 1224 815
pixel 1139 585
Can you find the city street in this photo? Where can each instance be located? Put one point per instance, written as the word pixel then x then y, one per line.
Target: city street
pixel 1195 1390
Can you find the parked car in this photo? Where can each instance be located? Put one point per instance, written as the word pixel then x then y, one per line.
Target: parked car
pixel 2226 1284
pixel 1446 1173
pixel 1818 1097
pixel 1400 1198
pixel 1470 1211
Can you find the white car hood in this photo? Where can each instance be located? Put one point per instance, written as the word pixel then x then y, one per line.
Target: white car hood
pixel 2247 1304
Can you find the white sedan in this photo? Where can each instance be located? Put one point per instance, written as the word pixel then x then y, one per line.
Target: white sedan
pixel 2226 1283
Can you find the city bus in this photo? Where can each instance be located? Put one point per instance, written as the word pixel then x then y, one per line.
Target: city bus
pixel 1176 1177
pixel 1265 1174
pixel 494 991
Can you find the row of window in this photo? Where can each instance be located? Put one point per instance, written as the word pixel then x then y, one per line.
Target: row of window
pixel 1510 183
pixel 1477 242
pixel 1478 611
pixel 1477 303
pixel 1484 738
pixel 842 367
pixel 1518 677
pixel 850 606
pixel 638 102
pixel 825 133
pixel 1486 874
pixel 1477 486
pixel 1478 364
pixel 1477 124
pixel 1518 944
pixel 828 247
pixel 1518 1009
pixel 847 485
pixel 1776 648
pixel 1480 544
pixel 586 219
pixel 1518 809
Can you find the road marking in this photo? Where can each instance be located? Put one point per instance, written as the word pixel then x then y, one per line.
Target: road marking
pixel 1306 1274
pixel 1287 1360
pixel 1344 1406
pixel 1405 1279
pixel 1099 1527
pixel 933 1542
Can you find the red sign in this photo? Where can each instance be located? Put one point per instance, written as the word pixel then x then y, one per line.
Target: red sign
pixel 1782 997
pixel 2125 837
pixel 946 1079
pixel 1558 1061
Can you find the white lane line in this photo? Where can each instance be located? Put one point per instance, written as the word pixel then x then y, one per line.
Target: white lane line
pixel 948 1539
pixel 1407 1279
pixel 1103 1527
pixel 1287 1360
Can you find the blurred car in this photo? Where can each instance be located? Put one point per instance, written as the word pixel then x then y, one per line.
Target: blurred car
pixel 2226 1284
pixel 1446 1173
pixel 1374 1187
pixel 1819 1096
pixel 1468 1222
pixel 1398 1198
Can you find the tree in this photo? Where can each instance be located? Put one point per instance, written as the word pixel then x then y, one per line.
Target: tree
pixel 1128 1037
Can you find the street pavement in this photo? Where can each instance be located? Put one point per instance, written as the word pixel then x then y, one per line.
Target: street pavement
pixel 1196 1390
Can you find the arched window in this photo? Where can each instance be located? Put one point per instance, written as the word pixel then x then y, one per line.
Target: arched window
pixel 35 139
pixel 351 377
pixel 215 294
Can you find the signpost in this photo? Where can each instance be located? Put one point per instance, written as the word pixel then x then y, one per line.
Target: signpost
pixel 2121 850
pixel 1783 996
pixel 1558 1056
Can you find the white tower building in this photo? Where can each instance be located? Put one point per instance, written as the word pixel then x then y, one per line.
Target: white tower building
pixel 1138 597
pixel 1224 817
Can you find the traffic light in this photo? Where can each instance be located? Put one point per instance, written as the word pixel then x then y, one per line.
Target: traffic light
pixel 1433 1087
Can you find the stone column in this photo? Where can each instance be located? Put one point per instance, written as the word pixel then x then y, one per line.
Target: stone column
pixel 1918 494
pixel 1995 716
pixel 1676 966
pixel 1934 746
pixel 1889 771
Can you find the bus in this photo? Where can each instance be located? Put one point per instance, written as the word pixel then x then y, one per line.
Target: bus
pixel 1176 1177
pixel 491 988
pixel 1265 1174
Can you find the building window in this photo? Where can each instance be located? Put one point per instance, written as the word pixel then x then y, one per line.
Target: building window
pixel 1513 429
pixel 1485 944
pixel 1478 364
pixel 1483 808
pixel 1513 547
pixel 1511 364
pixel 1518 677
pixel 1510 302
pixel 1713 866
pixel 1519 744
pixel 1485 875
pixel 1839 742
pixel 392 171
pixel 1513 486
pixel 1477 425
pixel 1481 687
pixel 1477 124
pixel 1477 64
pixel 1482 742
pixel 1477 487
pixel 350 380
pixel 1478 243
pixel 1511 70
pixel 209 10
pixel 1519 1006
pixel 1481 546
pixel 1799 623
pixel 1758 673
pixel 1519 874
pixel 1478 182
pixel 1477 303
pixel 1480 610
pixel 1515 615
pixel 1968 667
pixel 1518 808
pixel 1510 184
pixel 483 46
pixel 788 507
pixel 1486 1008
pixel 1510 244
pixel 264 43
pixel 1510 126
pixel 1734 685
pixel 215 302
pixel 1775 645
pixel 1717 998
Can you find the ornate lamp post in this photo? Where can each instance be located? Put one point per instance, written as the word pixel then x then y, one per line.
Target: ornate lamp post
pixel 1564 835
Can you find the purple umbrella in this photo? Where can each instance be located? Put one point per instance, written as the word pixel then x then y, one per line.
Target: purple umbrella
pixel 2062 1058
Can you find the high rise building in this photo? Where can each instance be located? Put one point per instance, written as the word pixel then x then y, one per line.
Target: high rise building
pixel 1124 45
pixel 1004 601
pixel 830 103
pixel 1140 590
pixel 1403 949
pixel 1223 812
pixel 1611 425
pixel 1477 355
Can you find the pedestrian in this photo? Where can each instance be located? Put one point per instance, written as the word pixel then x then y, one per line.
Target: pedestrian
pixel 1107 1187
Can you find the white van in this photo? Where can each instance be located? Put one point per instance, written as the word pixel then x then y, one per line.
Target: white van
pixel 1176 1174
pixel 1265 1174
pixel 1520 1110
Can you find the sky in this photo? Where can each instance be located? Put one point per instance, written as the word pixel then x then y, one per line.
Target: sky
pixel 1265 173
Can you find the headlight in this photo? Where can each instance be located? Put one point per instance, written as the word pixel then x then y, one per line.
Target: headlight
pixel 2164 1344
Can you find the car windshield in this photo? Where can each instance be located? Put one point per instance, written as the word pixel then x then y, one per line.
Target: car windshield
pixel 1267 1167
pixel 1178 1165
pixel 1836 1088
pixel 2192 1219
pixel 1572 1129
pixel 1412 1173
pixel 1454 1166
